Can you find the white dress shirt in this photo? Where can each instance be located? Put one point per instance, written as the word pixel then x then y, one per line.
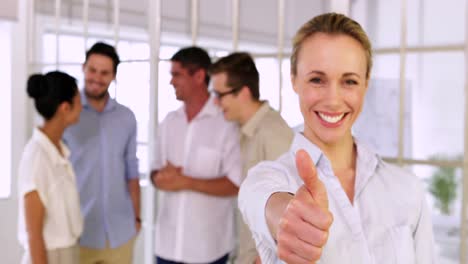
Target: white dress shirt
pixel 389 221
pixel 43 169
pixel 194 227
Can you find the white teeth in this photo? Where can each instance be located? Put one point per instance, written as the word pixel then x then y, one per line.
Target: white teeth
pixel 331 119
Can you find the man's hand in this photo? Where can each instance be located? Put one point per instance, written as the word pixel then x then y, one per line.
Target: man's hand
pixel 303 228
pixel 170 178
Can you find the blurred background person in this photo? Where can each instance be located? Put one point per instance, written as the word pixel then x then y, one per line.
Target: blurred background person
pixel 197 169
pixel 264 135
pixel 103 146
pixel 50 220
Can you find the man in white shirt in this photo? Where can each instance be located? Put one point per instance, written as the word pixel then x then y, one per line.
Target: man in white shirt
pixel 264 135
pixel 197 169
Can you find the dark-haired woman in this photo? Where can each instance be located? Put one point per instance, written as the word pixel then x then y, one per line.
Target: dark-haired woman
pixel 50 220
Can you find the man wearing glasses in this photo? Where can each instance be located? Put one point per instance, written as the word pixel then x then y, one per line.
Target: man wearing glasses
pixel 197 169
pixel 264 134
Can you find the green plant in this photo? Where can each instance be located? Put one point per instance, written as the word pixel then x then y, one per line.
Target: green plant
pixel 443 186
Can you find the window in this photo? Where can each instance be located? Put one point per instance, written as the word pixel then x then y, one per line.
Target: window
pixel 434 102
pixel 131 87
pixel 444 196
pixel 269 80
pixel 290 111
pixel 437 81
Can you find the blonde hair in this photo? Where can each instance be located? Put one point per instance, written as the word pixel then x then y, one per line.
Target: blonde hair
pixel 334 24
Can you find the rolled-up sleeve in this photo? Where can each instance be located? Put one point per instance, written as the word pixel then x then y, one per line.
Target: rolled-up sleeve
pixel 131 160
pixel 158 158
pixel 31 172
pixel 262 181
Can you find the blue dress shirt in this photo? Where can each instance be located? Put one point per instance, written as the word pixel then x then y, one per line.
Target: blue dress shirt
pixel 103 153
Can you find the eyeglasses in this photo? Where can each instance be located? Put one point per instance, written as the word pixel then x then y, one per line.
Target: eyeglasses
pixel 220 95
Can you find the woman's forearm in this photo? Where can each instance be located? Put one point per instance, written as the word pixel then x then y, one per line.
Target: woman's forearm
pixel 34 217
pixel 37 249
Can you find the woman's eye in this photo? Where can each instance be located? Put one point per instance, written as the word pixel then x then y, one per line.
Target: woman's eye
pixel 316 80
pixel 351 82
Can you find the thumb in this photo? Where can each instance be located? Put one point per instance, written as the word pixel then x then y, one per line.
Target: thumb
pixel 308 173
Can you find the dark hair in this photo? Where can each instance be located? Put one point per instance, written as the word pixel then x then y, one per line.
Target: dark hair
pixel 50 90
pixel 194 58
pixel 104 49
pixel 241 71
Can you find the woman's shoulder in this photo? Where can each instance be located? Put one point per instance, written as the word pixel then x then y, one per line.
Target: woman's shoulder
pixel 33 153
pixel 393 169
pixel 399 177
pixel 390 174
pixel 34 162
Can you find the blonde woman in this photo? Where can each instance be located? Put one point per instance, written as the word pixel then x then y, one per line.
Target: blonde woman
pixel 50 221
pixel 331 199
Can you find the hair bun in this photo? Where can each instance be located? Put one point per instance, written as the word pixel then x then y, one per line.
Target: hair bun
pixel 37 86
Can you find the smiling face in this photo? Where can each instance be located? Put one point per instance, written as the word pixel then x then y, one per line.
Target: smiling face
pixel 99 73
pixel 183 81
pixel 331 83
pixel 226 97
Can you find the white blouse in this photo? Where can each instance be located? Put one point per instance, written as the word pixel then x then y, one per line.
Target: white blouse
pixel 44 170
pixel 388 223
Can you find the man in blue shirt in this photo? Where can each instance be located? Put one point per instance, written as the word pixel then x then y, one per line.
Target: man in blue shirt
pixel 103 147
